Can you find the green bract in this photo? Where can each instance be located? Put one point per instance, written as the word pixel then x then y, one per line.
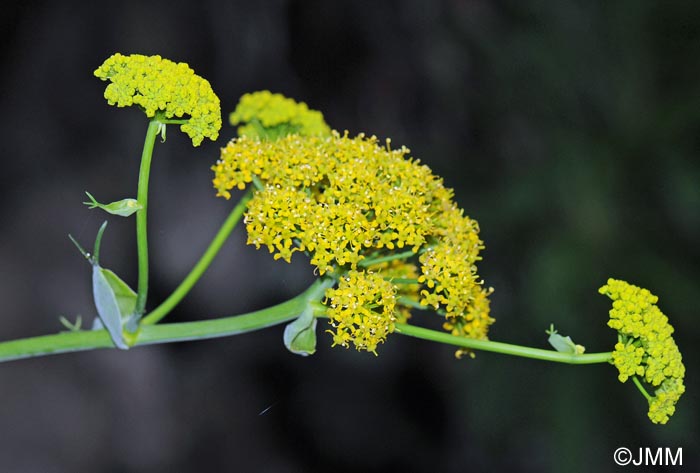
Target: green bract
pixel 114 299
pixel 563 344
pixel 158 85
pixel 122 208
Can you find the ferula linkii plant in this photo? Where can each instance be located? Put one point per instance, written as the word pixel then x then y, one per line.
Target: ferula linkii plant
pixel 382 233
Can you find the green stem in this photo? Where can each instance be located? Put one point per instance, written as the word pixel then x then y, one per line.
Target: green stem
pixel 165 333
pixel 403 300
pixel 402 280
pixel 258 183
pixel 503 348
pixel 198 270
pixel 141 215
pixel 372 261
pixel 644 392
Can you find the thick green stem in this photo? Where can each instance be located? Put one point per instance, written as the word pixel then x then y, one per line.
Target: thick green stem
pixel 503 348
pixel 141 215
pixel 165 333
pixel 198 270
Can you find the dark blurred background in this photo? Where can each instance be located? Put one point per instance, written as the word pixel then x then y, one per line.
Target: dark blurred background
pixel 568 129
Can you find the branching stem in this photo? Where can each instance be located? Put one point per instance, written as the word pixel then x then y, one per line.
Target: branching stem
pixel 82 340
pixel 198 270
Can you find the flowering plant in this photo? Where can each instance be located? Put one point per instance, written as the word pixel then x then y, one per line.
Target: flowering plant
pixel 382 232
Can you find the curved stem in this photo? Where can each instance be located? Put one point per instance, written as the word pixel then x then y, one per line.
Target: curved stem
pixel 165 333
pixel 644 392
pixel 198 270
pixel 141 215
pixel 503 348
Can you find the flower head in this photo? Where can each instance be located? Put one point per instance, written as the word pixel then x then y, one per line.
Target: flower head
pixel 361 310
pixel 158 85
pixel 645 348
pixel 351 204
pixel 271 116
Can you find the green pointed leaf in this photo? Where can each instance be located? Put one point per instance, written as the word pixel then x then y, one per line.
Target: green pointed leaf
pixel 80 248
pixel 122 208
pixel 300 335
pixel 95 258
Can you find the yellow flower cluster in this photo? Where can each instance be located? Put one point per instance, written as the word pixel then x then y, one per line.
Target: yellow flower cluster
pixel 272 116
pixel 361 310
pixel 474 323
pixel 347 202
pixel 158 85
pixel 646 348
pixel 449 272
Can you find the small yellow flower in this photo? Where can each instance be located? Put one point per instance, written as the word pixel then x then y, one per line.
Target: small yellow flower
pixel 158 85
pixel 646 348
pixel 272 116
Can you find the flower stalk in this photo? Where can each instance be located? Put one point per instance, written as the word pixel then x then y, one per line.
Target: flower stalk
pixel 142 215
pixel 503 348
